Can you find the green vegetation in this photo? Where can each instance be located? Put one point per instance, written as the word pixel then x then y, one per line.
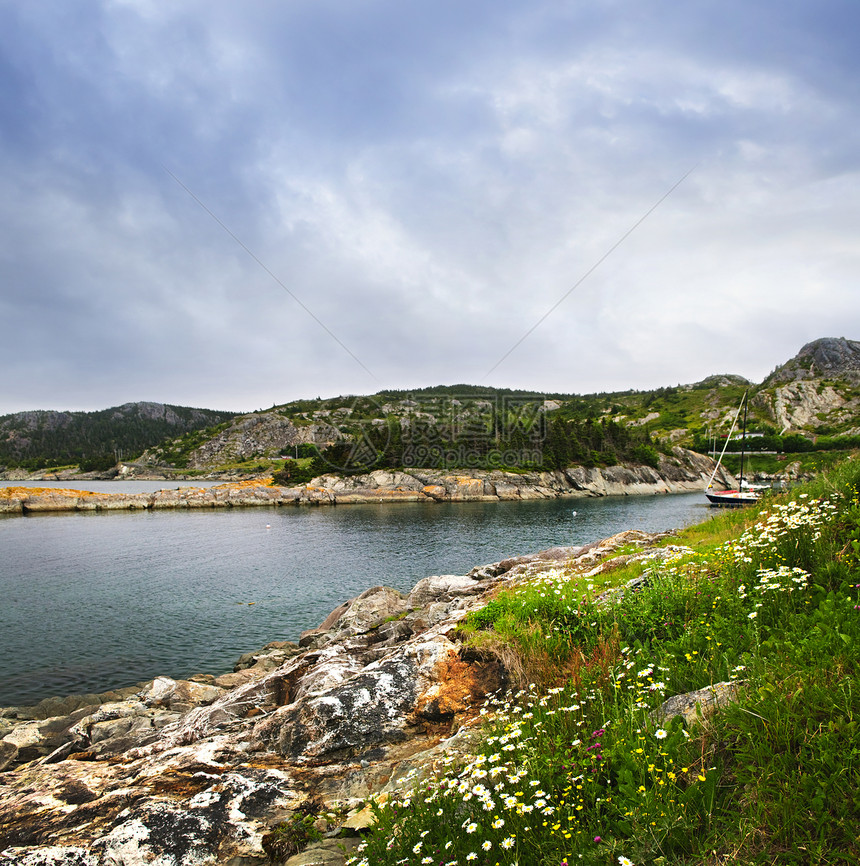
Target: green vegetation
pixel 577 766
pixel 290 837
pixel 293 473
pixel 177 452
pixel 94 441
pixel 466 426
pixel 474 427
pixel 490 441
pixel 808 462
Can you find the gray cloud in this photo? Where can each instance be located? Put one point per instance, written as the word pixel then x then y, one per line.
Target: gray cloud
pixel 429 179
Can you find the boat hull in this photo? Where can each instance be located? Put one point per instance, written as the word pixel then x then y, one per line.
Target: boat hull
pixel 732 498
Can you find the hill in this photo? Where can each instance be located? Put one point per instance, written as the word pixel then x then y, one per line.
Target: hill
pixel 809 403
pixel 94 440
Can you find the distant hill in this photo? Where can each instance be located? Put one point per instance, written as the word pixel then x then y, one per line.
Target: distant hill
pixel 95 440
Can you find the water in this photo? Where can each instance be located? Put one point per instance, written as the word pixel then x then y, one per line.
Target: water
pixel 98 601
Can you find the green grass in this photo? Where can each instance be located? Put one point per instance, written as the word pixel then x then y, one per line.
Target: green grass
pixel 810 462
pixel 576 767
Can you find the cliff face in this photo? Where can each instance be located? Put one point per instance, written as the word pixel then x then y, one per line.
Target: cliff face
pixel 254 435
pixel 815 389
pixel 199 772
pixel 805 404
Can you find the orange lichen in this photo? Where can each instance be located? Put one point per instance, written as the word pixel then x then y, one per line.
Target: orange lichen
pixel 266 481
pixel 26 492
pixel 459 686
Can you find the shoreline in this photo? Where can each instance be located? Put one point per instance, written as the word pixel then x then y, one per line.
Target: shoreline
pixel 685 472
pixel 384 687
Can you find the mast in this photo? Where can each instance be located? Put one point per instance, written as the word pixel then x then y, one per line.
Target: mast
pixel 743 444
pixel 726 445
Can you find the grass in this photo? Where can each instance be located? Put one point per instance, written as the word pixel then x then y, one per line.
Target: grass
pixel 810 462
pixel 579 766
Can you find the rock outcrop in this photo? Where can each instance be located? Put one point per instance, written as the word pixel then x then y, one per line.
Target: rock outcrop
pixel 201 772
pixel 800 405
pixel 826 358
pixel 251 436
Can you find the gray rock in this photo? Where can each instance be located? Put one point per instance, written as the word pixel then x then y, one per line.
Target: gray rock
pixel 368 610
pixel 271 656
pixel 442 588
pixel 54 855
pixel 329 852
pixel 179 695
pixel 698 705
pixel 8 754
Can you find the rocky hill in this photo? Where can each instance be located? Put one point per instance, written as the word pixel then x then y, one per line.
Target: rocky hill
pixel 95 440
pixel 816 393
pixel 828 358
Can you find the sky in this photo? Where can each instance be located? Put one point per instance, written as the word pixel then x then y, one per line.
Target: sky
pixel 233 205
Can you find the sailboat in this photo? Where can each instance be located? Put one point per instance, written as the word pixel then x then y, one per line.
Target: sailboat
pixel 745 494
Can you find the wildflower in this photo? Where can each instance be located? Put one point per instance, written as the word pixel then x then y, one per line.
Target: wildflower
pixel 471 856
pixel 625 861
pixel 660 734
pixel 487 845
pixel 752 615
pixel 508 843
pixel 471 828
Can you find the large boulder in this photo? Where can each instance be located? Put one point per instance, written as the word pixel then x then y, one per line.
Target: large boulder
pixel 178 695
pixel 369 609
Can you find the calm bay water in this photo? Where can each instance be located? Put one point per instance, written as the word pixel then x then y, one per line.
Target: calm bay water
pixel 90 602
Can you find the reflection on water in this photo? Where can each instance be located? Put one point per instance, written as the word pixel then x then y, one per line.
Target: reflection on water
pixel 96 601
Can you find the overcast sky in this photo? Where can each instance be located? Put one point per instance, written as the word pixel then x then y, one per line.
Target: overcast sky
pixel 236 204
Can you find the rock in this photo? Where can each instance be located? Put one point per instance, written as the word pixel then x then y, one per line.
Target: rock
pixel 178 695
pixel 698 705
pixel 423 619
pixel 361 819
pixel 366 610
pixel 51 707
pixel 271 656
pixel 196 773
pixel 53 855
pixel 8 754
pixel 442 588
pixel 330 852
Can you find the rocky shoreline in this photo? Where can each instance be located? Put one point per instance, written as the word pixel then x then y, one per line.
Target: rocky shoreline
pixel 204 771
pixel 684 471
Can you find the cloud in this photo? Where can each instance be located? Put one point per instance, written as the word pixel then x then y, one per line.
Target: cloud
pixel 428 179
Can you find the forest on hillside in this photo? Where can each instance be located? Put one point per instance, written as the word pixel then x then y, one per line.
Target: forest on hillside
pixel 534 443
pixel 95 441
